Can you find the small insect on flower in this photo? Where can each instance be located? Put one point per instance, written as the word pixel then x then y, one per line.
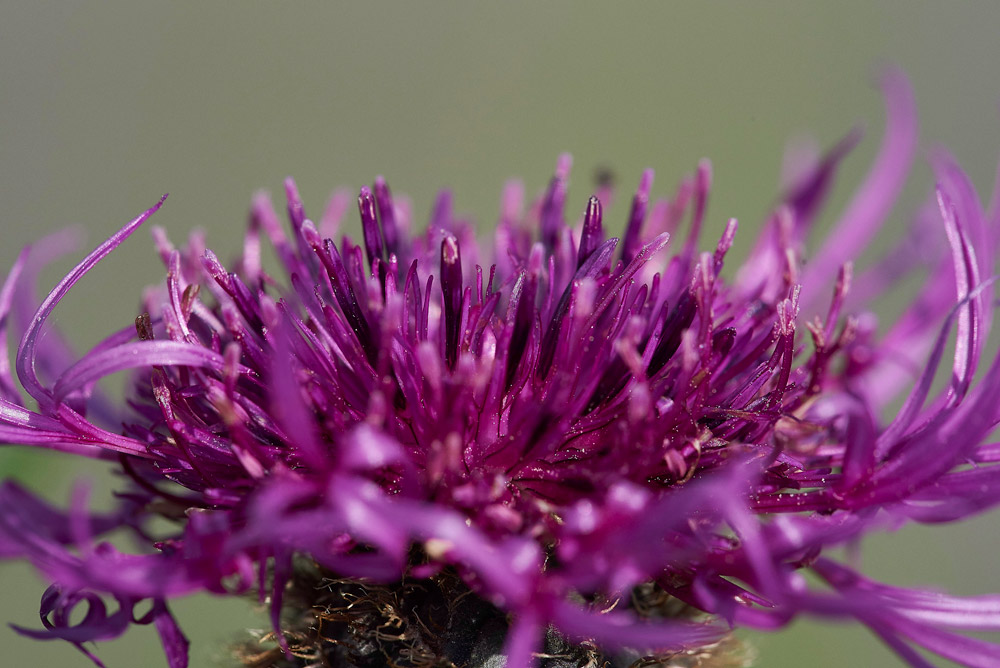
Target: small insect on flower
pixel 561 447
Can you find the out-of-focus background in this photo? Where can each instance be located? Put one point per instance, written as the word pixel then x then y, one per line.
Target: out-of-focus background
pixel 105 106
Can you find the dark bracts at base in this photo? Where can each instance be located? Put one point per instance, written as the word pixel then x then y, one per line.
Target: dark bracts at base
pixel 441 623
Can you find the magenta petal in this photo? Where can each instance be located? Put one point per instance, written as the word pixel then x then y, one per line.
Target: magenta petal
pixel 26 351
pixel 872 202
pixel 522 641
pixel 141 354
pixel 618 630
pixel 175 643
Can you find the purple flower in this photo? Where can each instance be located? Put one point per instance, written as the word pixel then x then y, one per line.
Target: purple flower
pixel 567 434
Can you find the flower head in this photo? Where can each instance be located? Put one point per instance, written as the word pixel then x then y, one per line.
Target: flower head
pixel 607 442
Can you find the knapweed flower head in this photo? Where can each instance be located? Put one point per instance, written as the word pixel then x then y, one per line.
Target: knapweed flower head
pixel 560 446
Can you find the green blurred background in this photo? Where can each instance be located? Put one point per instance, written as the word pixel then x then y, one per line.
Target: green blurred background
pixel 105 106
